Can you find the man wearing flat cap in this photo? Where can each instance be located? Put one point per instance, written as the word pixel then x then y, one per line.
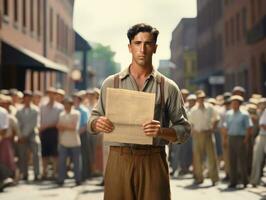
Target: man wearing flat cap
pixel 238 126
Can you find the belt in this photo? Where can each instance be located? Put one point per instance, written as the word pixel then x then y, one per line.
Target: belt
pixel 145 150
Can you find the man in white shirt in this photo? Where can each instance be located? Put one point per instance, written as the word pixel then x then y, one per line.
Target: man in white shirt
pixel 258 150
pixel 204 119
pixel 4 121
pixel 69 141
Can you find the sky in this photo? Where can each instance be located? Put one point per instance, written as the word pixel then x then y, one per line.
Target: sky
pixel 107 22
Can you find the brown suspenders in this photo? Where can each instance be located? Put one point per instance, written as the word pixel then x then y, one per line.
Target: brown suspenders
pixel 116 81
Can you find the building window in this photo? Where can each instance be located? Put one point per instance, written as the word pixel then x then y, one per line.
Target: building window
pixel 253 12
pixel 51 25
pixel 38 18
pixel 238 27
pixel 244 21
pixel 226 2
pixel 32 15
pixel 5 11
pixel 226 33
pixel 67 33
pixel 260 6
pixel 24 14
pixel 57 31
pixel 15 10
pixel 254 72
pixel 232 31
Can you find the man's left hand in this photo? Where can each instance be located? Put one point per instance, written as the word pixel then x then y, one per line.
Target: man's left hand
pixel 152 128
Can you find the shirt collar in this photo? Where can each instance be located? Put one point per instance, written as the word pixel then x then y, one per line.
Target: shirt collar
pixel 125 72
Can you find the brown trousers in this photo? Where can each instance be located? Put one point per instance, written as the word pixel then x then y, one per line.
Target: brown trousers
pixel 136 174
pixel 238 160
pixel 204 145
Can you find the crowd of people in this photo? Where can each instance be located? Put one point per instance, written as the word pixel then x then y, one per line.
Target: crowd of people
pixel 49 132
pixel 228 133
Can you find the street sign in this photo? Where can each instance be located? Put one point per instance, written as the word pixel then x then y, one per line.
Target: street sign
pixel 216 80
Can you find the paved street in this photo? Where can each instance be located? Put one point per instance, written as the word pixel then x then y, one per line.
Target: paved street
pixel 181 189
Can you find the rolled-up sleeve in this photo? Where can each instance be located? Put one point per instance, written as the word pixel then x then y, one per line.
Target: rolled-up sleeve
pixel 177 114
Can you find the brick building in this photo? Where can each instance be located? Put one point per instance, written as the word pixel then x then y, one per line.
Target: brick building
pixel 210 46
pixel 37 43
pixel 183 52
pixel 245 45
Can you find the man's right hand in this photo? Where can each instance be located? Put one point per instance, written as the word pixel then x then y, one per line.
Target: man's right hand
pixel 102 124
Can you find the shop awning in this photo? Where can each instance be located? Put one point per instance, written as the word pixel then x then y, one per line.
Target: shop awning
pixel 206 77
pixel 13 55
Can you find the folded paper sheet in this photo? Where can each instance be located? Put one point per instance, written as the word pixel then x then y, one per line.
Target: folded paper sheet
pixel 128 110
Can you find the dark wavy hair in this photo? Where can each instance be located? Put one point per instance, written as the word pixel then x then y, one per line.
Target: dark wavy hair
pixel 134 30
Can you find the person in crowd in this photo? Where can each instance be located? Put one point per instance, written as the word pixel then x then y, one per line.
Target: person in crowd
pixel 217 135
pixel 204 120
pixel 186 148
pixel 37 97
pixel 4 123
pixel 28 138
pixel 238 127
pixel 84 135
pixel 239 90
pixel 176 158
pixel 6 148
pixel 60 95
pixel 252 111
pixel 69 141
pixel 259 147
pixel 224 137
pixel 49 114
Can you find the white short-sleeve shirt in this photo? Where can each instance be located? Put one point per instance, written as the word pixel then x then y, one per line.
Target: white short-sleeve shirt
pixel 4 120
pixel 262 121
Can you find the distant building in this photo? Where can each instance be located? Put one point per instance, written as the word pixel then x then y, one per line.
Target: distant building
pixel 166 67
pixel 37 44
pixel 183 52
pixel 190 69
pixel 245 45
pixel 84 77
pixel 210 46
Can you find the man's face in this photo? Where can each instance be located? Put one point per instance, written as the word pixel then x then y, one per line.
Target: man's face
pixel 200 100
pixel 68 106
pixel 77 101
pixel 27 99
pixel 142 47
pixel 191 103
pixel 235 104
pixel 51 96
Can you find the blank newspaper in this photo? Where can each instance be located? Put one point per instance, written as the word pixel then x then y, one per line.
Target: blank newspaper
pixel 128 110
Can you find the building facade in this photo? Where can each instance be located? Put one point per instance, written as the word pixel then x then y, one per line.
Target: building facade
pixel 183 49
pixel 84 78
pixel 245 45
pixel 166 67
pixel 210 46
pixel 37 44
